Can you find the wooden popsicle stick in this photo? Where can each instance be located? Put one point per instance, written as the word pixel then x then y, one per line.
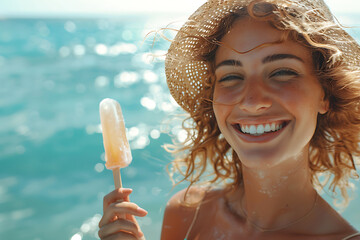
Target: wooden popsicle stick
pixel 118 184
pixel 117 178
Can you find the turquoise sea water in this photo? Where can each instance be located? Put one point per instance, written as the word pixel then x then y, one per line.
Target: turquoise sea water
pixel 53 74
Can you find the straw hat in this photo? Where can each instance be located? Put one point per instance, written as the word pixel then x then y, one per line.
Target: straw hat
pixel 187 74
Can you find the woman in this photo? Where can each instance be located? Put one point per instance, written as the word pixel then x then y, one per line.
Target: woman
pixel 272 89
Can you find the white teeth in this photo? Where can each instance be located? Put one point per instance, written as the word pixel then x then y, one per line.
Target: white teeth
pixel 252 129
pixel 260 129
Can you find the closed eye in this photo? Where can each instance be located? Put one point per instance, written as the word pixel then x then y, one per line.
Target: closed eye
pixel 231 77
pixel 284 72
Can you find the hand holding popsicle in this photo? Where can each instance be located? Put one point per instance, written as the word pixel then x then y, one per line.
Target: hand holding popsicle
pixel 118 221
pixel 117 149
pixel 111 226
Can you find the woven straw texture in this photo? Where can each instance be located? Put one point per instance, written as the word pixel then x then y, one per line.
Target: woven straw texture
pixel 187 74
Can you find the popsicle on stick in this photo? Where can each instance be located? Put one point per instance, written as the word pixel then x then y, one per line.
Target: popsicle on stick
pixel 117 149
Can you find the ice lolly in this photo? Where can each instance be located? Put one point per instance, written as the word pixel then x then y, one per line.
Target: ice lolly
pixel 117 149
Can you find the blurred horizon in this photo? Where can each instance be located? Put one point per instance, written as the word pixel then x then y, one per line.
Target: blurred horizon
pixel 111 8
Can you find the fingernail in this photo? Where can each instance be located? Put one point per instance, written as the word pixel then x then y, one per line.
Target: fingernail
pixel 141 210
pixel 140 234
pixel 126 190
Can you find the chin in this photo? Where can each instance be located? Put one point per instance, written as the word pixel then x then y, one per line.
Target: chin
pixel 260 159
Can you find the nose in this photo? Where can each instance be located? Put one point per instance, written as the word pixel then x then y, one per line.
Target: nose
pixel 256 97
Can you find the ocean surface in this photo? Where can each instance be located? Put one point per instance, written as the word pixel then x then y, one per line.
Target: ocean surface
pixel 53 74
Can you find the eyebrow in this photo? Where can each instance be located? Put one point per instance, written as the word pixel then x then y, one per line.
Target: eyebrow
pixel 276 57
pixel 271 58
pixel 230 62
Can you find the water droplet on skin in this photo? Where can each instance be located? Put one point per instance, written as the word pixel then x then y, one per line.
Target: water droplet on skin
pixel 261 175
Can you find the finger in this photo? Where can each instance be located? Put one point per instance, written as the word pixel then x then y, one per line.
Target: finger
pixel 133 219
pixel 121 208
pixel 118 226
pixel 121 236
pixel 117 194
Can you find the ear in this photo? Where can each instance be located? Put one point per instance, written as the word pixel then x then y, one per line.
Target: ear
pixel 324 106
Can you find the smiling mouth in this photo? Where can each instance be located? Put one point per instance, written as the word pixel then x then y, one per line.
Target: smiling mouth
pixel 260 129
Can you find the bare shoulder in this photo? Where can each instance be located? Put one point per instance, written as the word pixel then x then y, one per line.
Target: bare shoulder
pixel 180 211
pixel 327 221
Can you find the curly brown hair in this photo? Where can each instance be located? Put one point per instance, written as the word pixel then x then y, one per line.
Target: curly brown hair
pixel 335 145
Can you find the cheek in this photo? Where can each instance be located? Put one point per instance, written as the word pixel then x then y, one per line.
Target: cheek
pixel 301 100
pixel 303 104
pixel 221 114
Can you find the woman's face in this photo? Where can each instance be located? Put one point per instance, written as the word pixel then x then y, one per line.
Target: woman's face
pixel 266 101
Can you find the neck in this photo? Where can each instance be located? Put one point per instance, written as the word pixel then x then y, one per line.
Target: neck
pixel 272 197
